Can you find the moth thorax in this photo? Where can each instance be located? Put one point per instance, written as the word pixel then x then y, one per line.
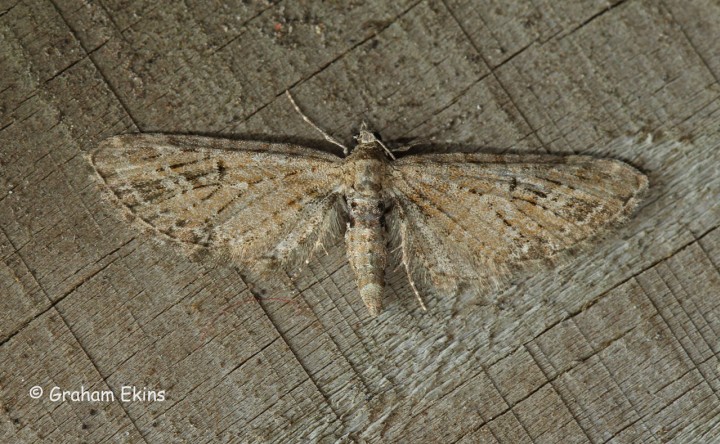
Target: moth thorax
pixel 366 176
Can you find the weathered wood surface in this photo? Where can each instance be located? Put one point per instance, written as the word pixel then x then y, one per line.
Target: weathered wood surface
pixel 621 344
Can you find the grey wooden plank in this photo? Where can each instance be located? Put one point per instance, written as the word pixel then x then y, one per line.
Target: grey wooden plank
pixel 617 344
pixel 501 30
pixel 23 298
pixel 698 22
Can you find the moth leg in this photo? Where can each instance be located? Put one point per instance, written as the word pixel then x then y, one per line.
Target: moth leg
pixel 327 136
pixel 406 264
pixel 318 245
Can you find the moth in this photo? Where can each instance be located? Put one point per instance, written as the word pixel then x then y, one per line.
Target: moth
pixel 452 219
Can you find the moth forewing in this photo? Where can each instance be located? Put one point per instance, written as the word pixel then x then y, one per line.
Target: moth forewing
pixel 261 202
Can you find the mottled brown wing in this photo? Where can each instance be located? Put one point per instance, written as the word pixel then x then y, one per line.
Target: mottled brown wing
pixel 474 217
pixel 261 201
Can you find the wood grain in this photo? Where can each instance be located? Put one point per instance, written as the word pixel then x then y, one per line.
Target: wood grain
pixel 620 344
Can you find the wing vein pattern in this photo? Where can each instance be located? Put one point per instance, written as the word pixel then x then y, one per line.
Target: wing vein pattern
pixel 473 218
pixel 261 202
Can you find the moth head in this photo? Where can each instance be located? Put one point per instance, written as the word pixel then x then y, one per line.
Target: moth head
pixel 364 136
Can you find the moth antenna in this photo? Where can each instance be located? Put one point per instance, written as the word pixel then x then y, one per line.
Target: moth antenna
pixel 402 149
pixel 387 150
pixel 327 136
